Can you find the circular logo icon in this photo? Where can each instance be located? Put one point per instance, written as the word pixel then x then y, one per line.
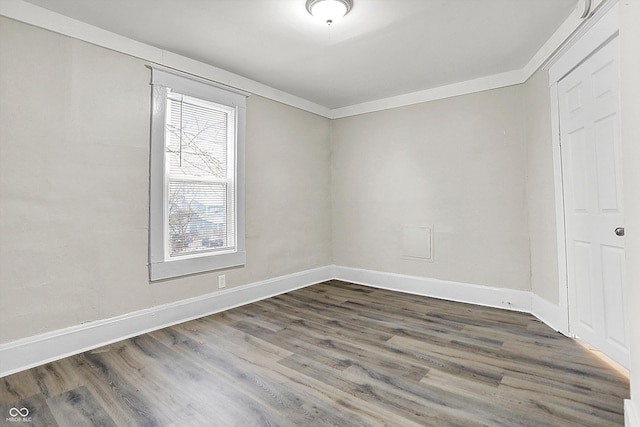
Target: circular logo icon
pixel 14 412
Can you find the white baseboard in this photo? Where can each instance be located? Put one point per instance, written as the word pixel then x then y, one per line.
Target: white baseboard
pixel 552 315
pixel 631 418
pixel 39 349
pixel 509 299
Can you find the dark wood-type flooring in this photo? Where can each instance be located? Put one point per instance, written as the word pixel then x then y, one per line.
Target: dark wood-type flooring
pixel 334 354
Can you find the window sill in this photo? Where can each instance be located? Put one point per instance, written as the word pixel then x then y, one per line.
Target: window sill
pixel 183 267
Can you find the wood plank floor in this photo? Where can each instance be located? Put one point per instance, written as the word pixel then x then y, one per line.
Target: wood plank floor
pixel 334 354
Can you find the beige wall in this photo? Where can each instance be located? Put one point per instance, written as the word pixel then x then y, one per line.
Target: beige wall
pixel 74 183
pixel 630 101
pixel 74 134
pixel 541 206
pixel 457 164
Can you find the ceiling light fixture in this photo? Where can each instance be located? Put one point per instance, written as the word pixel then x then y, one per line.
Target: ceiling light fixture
pixel 329 11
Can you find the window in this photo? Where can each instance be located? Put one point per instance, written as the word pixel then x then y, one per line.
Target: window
pixel 197 176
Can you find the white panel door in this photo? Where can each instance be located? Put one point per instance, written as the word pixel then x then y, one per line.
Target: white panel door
pixel 592 177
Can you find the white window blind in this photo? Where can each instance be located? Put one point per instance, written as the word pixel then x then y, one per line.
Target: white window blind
pixel 197 223
pixel 199 153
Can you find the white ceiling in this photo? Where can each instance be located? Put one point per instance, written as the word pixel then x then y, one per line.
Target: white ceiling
pixel 382 48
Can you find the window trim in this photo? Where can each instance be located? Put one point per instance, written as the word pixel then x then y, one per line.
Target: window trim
pixel 160 267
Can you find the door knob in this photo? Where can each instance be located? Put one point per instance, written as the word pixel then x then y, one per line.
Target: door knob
pixel 619 231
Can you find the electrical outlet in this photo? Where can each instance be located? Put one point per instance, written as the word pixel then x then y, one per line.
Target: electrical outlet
pixel 222 281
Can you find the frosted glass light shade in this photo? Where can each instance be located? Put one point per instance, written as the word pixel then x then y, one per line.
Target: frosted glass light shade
pixel 329 11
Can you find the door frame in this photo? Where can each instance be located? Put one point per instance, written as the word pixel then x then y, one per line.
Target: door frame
pixel 598 31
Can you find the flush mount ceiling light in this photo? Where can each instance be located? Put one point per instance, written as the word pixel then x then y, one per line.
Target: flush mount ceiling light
pixel 329 11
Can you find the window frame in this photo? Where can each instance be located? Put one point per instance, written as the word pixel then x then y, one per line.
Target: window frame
pixel 161 264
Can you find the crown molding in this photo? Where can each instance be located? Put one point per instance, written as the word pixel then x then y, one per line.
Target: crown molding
pixel 570 30
pixel 52 21
pixel 495 81
pixel 551 49
pixel 593 34
pixel 34 15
